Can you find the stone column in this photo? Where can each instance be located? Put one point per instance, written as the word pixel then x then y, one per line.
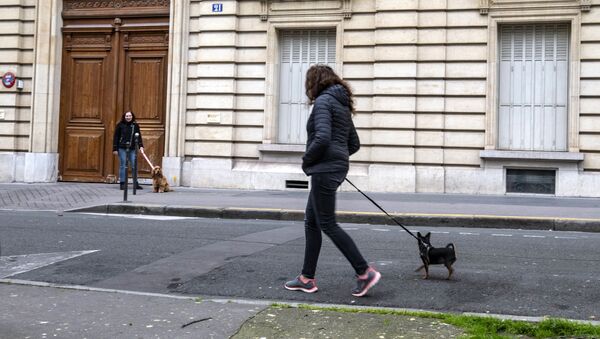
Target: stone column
pixel 176 91
pixel 41 163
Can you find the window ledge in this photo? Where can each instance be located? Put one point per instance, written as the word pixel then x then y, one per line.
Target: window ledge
pixel 531 155
pixel 281 153
pixel 283 148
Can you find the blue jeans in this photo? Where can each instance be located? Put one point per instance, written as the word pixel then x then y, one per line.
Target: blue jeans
pixel 123 163
pixel 320 216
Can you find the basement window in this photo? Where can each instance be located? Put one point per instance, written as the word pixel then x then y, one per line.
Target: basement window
pixel 530 181
pixel 302 184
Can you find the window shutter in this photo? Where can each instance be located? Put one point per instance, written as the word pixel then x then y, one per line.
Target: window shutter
pixel 299 50
pixel 533 92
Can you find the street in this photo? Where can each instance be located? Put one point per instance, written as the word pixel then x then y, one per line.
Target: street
pixel 499 271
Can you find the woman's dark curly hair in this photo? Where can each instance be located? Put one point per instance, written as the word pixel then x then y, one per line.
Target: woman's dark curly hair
pixel 320 77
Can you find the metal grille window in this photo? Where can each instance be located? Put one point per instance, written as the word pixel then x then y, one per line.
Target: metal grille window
pixel 533 88
pixel 299 50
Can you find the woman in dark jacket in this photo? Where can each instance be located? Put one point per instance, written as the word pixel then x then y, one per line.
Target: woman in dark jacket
pixel 331 140
pixel 124 138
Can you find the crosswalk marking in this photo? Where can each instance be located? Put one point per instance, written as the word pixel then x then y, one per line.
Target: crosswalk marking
pixel 17 264
pixel 143 216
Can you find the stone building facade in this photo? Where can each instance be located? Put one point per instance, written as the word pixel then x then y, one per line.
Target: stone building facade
pixel 461 96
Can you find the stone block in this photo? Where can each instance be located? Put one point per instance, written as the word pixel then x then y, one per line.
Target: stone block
pixel 392 120
pixel 395 53
pixel 397 154
pixel 393 137
pixel 430 121
pixel 396 36
pixel 41 167
pixel 396 19
pixel 430 138
pixel 398 86
pixel 429 156
pixel 432 19
pixel 391 178
pixel 358 54
pixel 429 179
pixel 172 169
pixel 432 36
pixel 395 70
pixel 359 38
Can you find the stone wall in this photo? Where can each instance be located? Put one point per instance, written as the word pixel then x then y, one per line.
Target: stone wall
pixel 16 55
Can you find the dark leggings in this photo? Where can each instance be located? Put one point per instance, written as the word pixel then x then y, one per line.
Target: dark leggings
pixel 320 215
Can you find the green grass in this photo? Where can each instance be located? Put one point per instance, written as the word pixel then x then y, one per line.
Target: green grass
pixel 486 327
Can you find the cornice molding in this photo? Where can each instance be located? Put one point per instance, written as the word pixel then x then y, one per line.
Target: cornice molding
pixel 113 4
pixel 487 6
pixel 342 8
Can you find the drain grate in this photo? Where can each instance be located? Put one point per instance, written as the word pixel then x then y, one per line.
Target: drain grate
pixel 302 184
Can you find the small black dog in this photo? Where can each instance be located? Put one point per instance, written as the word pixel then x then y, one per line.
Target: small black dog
pixel 435 256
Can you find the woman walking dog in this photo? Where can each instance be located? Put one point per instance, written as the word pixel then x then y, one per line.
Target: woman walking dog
pixel 123 140
pixel 332 138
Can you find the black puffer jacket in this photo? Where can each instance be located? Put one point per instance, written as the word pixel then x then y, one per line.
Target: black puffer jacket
pixel 124 133
pixel 331 133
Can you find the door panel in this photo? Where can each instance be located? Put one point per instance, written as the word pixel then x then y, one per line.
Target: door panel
pixel 78 160
pixel 153 147
pixel 86 109
pixel 144 67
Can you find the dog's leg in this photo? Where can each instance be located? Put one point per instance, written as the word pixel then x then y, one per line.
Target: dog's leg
pixel 426 272
pixel 450 270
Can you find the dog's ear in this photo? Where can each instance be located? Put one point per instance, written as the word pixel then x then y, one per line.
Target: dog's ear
pixel 427 236
pixel 419 235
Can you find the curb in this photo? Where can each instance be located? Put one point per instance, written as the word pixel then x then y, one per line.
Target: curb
pixel 430 220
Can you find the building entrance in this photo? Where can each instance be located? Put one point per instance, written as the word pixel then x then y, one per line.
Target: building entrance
pixel 114 59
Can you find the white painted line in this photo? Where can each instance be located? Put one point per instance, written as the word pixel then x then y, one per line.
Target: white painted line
pixel 439 232
pixel 501 235
pixel 533 236
pixel 350 228
pixel 380 229
pixel 468 233
pixel 143 216
pixel 17 264
pixel 557 237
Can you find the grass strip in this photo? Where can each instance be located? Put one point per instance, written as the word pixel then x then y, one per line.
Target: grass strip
pixel 484 327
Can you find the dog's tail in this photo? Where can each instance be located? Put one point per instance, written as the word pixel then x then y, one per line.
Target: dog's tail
pixel 451 245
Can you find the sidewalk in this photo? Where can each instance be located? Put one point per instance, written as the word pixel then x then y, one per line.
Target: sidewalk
pixel 420 209
pixel 47 311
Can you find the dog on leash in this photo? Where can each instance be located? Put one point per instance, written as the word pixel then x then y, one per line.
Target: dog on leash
pixel 159 182
pixel 435 256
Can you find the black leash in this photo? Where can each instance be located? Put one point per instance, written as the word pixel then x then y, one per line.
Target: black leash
pixel 386 213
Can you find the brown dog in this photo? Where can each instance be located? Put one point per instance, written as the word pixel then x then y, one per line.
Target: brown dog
pixel 159 182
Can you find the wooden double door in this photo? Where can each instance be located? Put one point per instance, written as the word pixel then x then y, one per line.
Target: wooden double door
pixel 111 65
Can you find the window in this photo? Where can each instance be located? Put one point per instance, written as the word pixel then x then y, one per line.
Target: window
pixel 530 181
pixel 533 87
pixel 299 49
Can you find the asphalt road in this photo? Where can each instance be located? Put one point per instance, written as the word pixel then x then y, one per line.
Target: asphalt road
pixel 513 272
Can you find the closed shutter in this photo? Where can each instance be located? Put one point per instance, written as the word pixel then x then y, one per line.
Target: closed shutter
pixel 533 87
pixel 299 50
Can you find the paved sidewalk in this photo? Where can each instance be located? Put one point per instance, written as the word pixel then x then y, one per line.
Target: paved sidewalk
pixel 420 209
pixel 53 311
